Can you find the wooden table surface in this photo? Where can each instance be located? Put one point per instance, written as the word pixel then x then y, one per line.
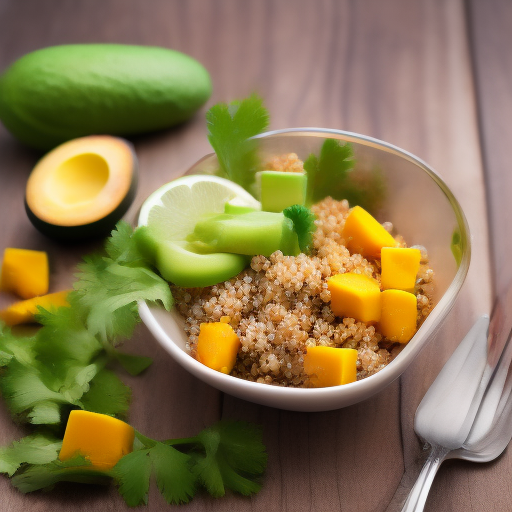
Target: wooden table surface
pixel 431 76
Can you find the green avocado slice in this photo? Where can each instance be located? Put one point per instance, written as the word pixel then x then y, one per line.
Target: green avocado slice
pixel 246 233
pixel 185 265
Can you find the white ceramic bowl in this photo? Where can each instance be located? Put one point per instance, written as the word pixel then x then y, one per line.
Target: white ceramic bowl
pixel 421 208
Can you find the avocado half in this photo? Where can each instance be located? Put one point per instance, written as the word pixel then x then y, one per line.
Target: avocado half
pixel 82 187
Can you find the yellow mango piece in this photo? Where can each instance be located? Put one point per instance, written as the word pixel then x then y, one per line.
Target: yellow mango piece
pixel 364 235
pixel 399 314
pixel 217 346
pixel 329 366
pixel 355 296
pixel 25 272
pixel 101 439
pixel 24 312
pixel 399 268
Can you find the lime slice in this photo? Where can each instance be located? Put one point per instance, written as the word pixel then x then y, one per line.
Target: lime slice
pixel 171 214
pixel 174 209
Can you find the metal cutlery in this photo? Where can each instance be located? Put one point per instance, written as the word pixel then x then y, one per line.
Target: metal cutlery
pixel 467 411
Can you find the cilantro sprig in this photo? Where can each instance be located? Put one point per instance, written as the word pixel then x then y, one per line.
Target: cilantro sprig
pixel 304 225
pixel 65 365
pixel 227 455
pixel 109 287
pixel 230 128
pixel 328 172
pixel 44 375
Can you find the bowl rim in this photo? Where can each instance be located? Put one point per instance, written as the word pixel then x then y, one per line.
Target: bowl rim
pixel 369 385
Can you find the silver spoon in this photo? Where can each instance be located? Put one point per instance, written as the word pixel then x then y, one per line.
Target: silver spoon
pixel 466 413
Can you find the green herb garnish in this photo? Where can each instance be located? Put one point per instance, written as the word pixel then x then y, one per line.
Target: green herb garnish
pixel 108 288
pixel 228 455
pixel 304 225
pixel 327 172
pixel 64 366
pixel 230 128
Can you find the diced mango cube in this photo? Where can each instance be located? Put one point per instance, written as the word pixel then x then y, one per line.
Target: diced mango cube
pixel 24 312
pixel 399 314
pixel 217 346
pixel 364 235
pixel 399 268
pixel 329 366
pixel 355 296
pixel 25 272
pixel 101 439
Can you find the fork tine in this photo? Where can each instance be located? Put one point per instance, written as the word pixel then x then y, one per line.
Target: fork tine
pixel 496 406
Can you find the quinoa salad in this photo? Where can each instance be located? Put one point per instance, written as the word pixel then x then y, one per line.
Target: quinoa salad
pixel 280 305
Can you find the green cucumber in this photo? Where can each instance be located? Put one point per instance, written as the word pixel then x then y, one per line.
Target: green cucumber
pixel 250 233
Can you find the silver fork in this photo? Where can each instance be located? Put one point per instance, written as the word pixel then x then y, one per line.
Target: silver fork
pixel 467 412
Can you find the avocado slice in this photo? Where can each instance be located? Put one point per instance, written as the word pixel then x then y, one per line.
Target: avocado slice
pixel 246 233
pixel 186 265
pixel 82 188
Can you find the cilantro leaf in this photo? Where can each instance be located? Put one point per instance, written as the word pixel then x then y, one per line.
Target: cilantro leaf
pixel 230 128
pixel 108 288
pixel 15 347
pixel 168 466
pixel 121 247
pixel 52 345
pixel 33 449
pixel 107 395
pixel 45 413
pixel 206 467
pixel 131 363
pixel 24 387
pixel 111 291
pixel 327 174
pixel 44 476
pixel 303 223
pixel 234 457
pixel 132 474
pixel 173 476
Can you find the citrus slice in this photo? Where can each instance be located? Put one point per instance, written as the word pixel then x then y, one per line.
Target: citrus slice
pixel 171 213
pixel 173 210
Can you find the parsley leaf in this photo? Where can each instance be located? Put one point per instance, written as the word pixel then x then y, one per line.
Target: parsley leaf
pixel 327 174
pixel 33 449
pixel 303 223
pixel 230 128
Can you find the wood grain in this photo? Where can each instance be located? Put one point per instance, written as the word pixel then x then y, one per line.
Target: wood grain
pixel 397 70
pixel 474 486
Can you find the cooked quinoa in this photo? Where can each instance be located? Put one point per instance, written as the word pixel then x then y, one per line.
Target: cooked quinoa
pixel 280 306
